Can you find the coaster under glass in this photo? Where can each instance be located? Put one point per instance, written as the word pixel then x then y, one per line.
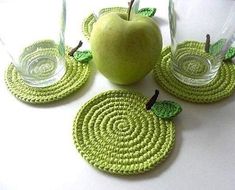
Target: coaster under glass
pixel 75 77
pixel 222 86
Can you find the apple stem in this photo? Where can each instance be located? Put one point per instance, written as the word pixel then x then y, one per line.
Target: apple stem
pixel 129 9
pixel 152 100
pixel 75 49
pixel 207 45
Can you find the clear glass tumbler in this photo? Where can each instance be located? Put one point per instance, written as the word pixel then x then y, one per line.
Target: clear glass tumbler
pixel 201 33
pixel 32 32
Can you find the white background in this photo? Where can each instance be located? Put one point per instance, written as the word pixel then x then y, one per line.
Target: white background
pixel 37 150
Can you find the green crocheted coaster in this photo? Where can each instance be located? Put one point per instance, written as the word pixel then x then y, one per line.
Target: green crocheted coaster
pixel 221 87
pixel 76 75
pixel 91 19
pixel 87 26
pixel 112 9
pixel 115 133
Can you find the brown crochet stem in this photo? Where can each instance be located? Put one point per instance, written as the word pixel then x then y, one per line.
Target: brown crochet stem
pixel 207 45
pixel 152 100
pixel 129 9
pixel 75 49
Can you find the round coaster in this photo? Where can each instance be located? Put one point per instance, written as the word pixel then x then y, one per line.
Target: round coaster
pixel 76 75
pixel 90 20
pixel 112 9
pixel 221 87
pixel 87 26
pixel 115 133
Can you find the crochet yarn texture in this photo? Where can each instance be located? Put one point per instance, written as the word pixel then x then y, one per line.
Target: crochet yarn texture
pixel 75 77
pixel 87 24
pixel 222 86
pixel 115 133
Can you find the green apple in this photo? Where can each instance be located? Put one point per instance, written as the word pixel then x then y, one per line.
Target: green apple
pixel 123 50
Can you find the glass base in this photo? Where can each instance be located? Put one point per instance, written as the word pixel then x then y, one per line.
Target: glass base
pixel 44 82
pixel 42 64
pixel 194 68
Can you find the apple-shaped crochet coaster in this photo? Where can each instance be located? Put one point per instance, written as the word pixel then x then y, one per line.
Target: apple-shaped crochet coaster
pixel 87 25
pixel 115 133
pixel 75 77
pixel 222 86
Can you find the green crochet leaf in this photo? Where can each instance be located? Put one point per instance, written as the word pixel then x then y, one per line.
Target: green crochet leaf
pixel 82 56
pixel 217 47
pixel 230 54
pixel 150 12
pixel 166 109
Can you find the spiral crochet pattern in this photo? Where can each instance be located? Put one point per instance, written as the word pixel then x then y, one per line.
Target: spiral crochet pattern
pixel 88 22
pixel 222 86
pixel 115 133
pixel 75 77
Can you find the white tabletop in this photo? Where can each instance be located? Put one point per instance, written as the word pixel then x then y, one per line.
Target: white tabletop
pixel 37 150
